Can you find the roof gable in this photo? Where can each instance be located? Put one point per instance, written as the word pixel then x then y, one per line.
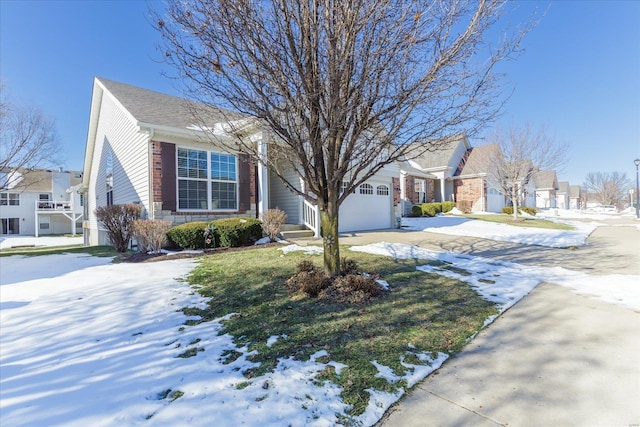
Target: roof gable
pixel 443 156
pixel 477 160
pixel 154 108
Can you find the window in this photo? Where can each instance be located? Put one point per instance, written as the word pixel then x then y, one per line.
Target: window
pixel 43 201
pixel 366 189
pixel 206 180
pixel 45 223
pixel 109 177
pixel 382 190
pixel 9 199
pixel 420 188
pixel 10 225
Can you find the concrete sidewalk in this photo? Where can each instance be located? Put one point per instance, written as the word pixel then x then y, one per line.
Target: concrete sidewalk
pixel 556 358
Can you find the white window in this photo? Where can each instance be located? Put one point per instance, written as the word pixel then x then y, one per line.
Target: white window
pixel 420 188
pixel 9 199
pixel 207 180
pixel 382 190
pixel 366 189
pixel 45 223
pixel 109 178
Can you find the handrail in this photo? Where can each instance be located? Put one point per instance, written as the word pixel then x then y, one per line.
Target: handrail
pixel 311 217
pixel 48 205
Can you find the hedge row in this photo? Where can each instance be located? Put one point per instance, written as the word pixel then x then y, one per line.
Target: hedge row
pixel 226 232
pixel 527 209
pixel 432 209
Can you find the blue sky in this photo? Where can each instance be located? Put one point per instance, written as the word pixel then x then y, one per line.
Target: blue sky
pixel 579 75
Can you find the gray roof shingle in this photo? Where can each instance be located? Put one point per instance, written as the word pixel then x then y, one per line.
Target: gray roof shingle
pixel 441 156
pixel 156 108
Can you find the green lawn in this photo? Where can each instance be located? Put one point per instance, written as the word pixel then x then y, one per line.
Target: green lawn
pixel 521 222
pixel 422 313
pixel 105 251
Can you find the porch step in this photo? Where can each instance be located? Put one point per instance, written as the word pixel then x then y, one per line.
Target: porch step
pixel 293 231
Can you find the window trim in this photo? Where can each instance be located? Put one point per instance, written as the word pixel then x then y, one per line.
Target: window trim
pixel 384 188
pixel 7 198
pixel 209 180
pixel 366 189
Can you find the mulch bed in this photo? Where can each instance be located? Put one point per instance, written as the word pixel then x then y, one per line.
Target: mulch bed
pixel 141 257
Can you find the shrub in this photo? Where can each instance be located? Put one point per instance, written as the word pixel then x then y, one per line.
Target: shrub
pixel 431 209
pixel 416 210
pixel 151 234
pixel 118 220
pixel 447 206
pixel 189 235
pixel 464 206
pixel 351 289
pixel 348 266
pixel 272 222
pixel 233 232
pixel 507 210
pixel 309 282
pixel 305 265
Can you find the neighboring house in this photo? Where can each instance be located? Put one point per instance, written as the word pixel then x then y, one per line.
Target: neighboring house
pixel 474 189
pixel 41 202
pixel 563 195
pixel 144 147
pixel 546 188
pixel 575 197
pixel 429 177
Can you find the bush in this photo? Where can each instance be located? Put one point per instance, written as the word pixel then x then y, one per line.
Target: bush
pixel 447 206
pixel 416 210
pixel 226 232
pixel 151 234
pixel 348 266
pixel 118 220
pixel 464 206
pixel 351 289
pixel 234 232
pixel 509 210
pixel 272 222
pixel 189 235
pixel 431 209
pixel 308 280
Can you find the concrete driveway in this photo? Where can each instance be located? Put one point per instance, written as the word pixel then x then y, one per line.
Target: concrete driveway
pixel 556 358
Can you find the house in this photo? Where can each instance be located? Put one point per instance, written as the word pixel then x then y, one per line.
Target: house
pixel 546 188
pixel 474 188
pixel 144 147
pixel 575 197
pixel 41 202
pixel 429 177
pixel 563 195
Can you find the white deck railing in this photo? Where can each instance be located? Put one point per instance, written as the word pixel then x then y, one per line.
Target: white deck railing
pixel 44 205
pixel 311 217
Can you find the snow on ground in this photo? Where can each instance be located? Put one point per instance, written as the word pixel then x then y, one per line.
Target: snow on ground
pixel 87 342
pixel 13 241
pixel 506 282
pixel 459 226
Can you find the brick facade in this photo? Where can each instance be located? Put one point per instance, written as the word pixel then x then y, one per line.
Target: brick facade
pixel 468 191
pixel 411 196
pixel 182 216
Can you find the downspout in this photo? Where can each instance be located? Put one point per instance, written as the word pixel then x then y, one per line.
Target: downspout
pixel 151 211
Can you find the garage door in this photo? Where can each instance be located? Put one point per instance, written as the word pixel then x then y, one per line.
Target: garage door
pixel 369 208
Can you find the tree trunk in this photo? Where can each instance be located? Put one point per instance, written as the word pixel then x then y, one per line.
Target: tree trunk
pixel 514 202
pixel 329 229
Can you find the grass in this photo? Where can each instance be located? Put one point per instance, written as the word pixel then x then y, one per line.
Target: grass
pixel 422 313
pixel 521 222
pixel 101 251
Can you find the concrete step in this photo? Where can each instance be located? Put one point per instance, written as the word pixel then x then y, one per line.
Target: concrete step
pixel 296 233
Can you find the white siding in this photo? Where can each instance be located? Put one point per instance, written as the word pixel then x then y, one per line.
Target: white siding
pixel 25 211
pixel 282 198
pixel 117 133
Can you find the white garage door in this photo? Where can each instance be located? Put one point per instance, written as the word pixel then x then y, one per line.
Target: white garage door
pixel 369 208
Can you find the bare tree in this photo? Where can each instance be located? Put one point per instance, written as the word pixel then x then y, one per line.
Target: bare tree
pixel 608 188
pixel 27 141
pixel 518 155
pixel 343 87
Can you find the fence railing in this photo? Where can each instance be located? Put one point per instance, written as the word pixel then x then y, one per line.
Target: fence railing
pixel 311 217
